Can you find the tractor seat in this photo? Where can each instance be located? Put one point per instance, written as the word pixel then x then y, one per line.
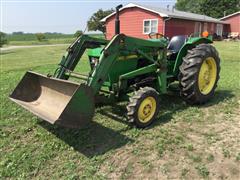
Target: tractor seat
pixel 175 45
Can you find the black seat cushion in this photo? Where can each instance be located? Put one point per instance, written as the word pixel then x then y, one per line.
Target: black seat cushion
pixel 175 45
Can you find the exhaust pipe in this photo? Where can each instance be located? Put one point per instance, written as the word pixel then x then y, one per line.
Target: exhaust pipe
pixel 117 21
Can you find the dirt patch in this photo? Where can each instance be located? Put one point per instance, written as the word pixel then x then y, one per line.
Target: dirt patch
pixel 207 150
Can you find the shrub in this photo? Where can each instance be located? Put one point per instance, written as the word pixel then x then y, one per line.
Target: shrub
pixel 40 36
pixel 3 39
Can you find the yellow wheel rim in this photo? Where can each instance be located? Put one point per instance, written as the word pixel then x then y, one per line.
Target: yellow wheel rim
pixel 207 75
pixel 147 109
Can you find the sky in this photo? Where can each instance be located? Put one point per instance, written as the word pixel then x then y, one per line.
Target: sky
pixel 57 15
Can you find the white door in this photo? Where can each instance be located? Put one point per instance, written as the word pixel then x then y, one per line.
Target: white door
pixel 205 26
pixel 198 28
pixel 219 29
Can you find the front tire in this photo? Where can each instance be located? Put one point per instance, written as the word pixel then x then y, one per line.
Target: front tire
pixel 143 107
pixel 199 74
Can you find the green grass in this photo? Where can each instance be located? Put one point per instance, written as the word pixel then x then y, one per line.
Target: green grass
pixel 203 171
pixel 181 143
pixel 30 39
pixel 35 42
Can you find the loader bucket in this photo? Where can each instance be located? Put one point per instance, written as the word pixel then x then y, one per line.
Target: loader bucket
pixel 56 101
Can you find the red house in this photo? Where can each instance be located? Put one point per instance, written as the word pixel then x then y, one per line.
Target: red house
pixel 233 26
pixel 140 20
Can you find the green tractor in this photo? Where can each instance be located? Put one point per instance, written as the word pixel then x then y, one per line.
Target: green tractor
pixel 123 69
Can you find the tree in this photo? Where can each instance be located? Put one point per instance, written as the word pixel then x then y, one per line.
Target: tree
pixel 216 8
pixel 40 36
pixel 188 5
pixel 18 33
pixel 94 23
pixel 213 8
pixel 78 33
pixel 3 39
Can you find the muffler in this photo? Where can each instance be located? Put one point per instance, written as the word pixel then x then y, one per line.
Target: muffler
pixel 54 100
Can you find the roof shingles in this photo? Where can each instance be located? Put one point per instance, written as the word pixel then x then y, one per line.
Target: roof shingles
pixel 171 13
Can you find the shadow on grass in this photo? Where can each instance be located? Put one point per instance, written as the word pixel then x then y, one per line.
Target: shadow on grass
pixel 92 140
pixel 174 103
pixel 219 97
pixel 96 139
pixel 116 112
pixel 171 103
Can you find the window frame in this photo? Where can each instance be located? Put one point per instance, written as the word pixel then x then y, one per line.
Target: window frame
pixel 197 27
pixel 150 25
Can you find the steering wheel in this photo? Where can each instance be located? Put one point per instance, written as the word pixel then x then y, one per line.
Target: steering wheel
pixel 154 35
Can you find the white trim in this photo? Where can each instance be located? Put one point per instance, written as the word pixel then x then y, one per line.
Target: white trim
pixel 198 20
pixel 229 15
pixel 134 5
pixel 150 25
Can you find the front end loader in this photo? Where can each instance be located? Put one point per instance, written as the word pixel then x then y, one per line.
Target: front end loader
pixel 123 69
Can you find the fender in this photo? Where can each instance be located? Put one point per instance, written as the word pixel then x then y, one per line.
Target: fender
pixel 191 43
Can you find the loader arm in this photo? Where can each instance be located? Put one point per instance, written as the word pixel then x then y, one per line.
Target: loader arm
pixel 75 52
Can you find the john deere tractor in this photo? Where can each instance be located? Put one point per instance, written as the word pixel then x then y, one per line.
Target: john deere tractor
pixel 123 69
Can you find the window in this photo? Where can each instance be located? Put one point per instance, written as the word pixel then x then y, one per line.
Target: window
pixel 205 27
pixel 150 25
pixel 219 29
pixel 198 28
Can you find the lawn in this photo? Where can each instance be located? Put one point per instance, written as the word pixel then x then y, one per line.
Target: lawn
pixel 188 142
pixel 35 42
pixel 30 39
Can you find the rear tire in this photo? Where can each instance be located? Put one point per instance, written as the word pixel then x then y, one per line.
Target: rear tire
pixel 143 107
pixel 199 74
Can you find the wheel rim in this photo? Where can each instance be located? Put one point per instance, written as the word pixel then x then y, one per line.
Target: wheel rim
pixel 207 75
pixel 147 109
